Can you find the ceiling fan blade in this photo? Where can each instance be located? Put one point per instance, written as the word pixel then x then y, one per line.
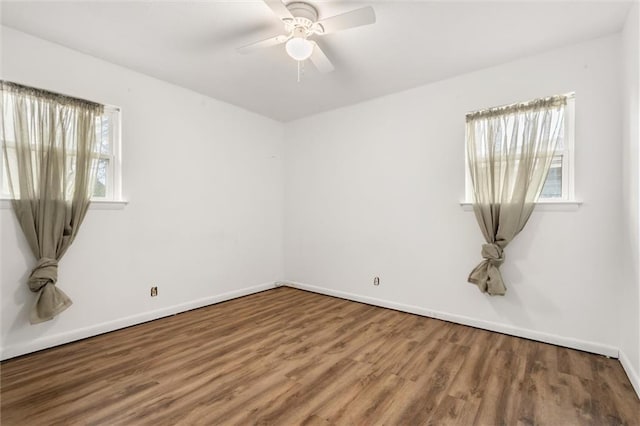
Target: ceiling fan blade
pixel 279 9
pixel 355 18
pixel 273 41
pixel 320 60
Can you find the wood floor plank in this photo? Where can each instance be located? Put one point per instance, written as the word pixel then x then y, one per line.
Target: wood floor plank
pixel 288 357
pixel 432 383
pixel 453 411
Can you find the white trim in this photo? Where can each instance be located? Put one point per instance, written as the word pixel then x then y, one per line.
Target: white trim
pixel 541 206
pixel 569 154
pixel 632 374
pixel 45 342
pixel 554 339
pixel 116 152
pixel 5 204
pixel 62 338
pixel 108 205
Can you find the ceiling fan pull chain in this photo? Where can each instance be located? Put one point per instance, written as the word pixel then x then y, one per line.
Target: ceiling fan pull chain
pixel 299 62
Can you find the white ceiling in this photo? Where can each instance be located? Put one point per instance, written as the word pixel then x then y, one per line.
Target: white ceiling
pixel 192 43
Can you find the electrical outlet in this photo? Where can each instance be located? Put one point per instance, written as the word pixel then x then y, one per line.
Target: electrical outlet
pixel 154 291
pixel 376 281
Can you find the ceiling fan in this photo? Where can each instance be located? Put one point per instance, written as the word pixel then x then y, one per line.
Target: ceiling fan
pixel 301 22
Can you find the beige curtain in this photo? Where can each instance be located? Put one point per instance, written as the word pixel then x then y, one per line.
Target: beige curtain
pixel 509 152
pixel 49 146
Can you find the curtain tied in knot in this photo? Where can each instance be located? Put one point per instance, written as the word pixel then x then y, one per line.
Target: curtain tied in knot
pixel 493 253
pixel 51 300
pixel 45 272
pixel 486 275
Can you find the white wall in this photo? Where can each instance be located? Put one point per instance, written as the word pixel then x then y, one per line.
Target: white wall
pixel 374 190
pixel 630 293
pixel 204 219
pixel 369 190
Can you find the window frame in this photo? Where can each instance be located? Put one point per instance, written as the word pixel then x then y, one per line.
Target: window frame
pixel 114 176
pixel 568 162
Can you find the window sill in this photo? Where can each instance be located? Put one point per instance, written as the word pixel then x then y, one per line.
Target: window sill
pixel 5 203
pixel 541 206
pixel 108 205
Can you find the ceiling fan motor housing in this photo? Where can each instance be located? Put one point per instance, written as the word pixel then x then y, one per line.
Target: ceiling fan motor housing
pixel 305 18
pixel 303 10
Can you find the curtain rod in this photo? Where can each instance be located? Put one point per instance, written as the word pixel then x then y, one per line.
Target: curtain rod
pixel 51 94
pixel 520 106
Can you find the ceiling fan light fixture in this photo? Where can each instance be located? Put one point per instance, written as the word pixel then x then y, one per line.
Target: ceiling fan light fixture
pixel 299 48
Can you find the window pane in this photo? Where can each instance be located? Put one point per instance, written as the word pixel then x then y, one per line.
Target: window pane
pixel 557 117
pixel 553 185
pixel 13 163
pixel 6 191
pixel 103 133
pixel 505 135
pixel 100 187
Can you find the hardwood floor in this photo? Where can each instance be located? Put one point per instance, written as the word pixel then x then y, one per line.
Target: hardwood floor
pixel 290 357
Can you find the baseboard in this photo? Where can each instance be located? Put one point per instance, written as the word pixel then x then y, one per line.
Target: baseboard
pixel 554 339
pixel 12 351
pixel 632 374
pixel 45 342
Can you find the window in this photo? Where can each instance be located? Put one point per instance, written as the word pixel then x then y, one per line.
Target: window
pixel 559 186
pixel 107 186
